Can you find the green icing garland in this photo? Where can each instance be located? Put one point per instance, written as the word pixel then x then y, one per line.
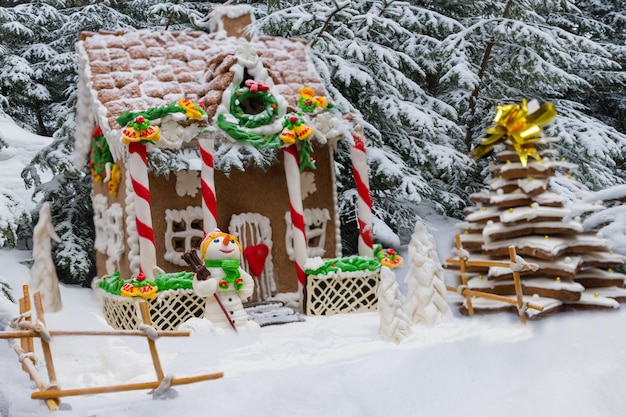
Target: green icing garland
pixel 100 156
pixel 349 264
pixel 268 141
pixel 164 281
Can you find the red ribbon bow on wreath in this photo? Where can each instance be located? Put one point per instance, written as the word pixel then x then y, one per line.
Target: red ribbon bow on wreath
pixel 255 86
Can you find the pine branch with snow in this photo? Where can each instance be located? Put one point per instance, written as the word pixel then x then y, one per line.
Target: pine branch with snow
pixel 69 194
pixel 426 293
pixel 5 289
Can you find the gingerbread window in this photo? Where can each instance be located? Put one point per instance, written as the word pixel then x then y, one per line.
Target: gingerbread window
pixel 184 231
pixel 315 221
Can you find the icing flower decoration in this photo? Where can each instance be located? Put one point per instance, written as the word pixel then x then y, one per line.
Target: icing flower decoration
pixel 521 128
pixel 294 127
pixel 306 92
pixel 320 102
pixel 139 287
pixel 308 101
pixel 115 177
pixel 140 130
pixel 256 86
pixel 96 132
pixel 388 257
pixel 192 110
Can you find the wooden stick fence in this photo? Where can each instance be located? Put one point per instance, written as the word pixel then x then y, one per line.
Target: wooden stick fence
pixel 50 393
pixel 515 263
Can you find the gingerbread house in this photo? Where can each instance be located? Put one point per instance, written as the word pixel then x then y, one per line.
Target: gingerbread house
pixel 221 104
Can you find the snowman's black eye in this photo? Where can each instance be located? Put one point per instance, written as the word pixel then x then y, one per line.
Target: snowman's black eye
pixel 216 240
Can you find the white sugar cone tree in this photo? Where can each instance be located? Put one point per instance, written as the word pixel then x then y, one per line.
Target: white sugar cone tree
pixel 395 325
pixel 43 273
pixel 426 289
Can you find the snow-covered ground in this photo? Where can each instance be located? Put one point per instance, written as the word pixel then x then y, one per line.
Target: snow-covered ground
pixel 566 365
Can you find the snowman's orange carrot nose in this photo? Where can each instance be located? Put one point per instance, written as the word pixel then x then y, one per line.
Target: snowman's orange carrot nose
pixel 226 240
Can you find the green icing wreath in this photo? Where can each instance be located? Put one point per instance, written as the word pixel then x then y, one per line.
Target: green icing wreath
pixel 253 91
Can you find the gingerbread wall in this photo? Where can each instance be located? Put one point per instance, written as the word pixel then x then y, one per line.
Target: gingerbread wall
pixel 254 190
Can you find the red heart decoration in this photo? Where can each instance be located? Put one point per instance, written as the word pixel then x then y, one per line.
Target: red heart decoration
pixel 256 256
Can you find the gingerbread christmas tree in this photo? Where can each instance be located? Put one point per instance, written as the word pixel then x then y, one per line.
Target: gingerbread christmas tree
pixel 520 209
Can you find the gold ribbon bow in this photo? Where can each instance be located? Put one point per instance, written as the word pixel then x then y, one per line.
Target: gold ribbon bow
pixel 523 130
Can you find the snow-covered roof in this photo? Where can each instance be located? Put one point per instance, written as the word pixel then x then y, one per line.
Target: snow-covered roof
pixel 134 70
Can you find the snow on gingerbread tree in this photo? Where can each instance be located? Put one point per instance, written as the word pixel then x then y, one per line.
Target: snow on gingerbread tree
pixel 521 210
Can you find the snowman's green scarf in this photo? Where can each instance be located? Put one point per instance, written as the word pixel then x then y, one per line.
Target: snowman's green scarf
pixel 231 269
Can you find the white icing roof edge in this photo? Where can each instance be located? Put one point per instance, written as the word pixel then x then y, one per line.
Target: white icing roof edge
pixel 86 113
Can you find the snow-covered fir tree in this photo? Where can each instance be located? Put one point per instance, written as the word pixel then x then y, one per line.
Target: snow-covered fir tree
pixel 605 23
pixel 426 79
pixel 380 58
pixel 536 49
pixel 69 194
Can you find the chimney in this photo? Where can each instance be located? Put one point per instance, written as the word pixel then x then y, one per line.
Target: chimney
pixel 231 19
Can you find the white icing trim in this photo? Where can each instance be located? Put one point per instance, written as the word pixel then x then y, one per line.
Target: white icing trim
pixel 569 264
pixel 185 217
pixel 109 228
pixel 493 228
pixel 258 228
pixel 552 245
pixel 545 302
pixel 100 204
pixel 544 283
pixel 115 237
pixel 187 183
pixel 173 135
pixel 336 219
pixel 543 166
pixel 532 212
pixel 131 226
pixel 315 221
pixel 84 120
pixel 307 184
pixel 597 297
pixel 95 113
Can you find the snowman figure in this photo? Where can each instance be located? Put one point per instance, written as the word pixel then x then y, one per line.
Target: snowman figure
pixel 227 284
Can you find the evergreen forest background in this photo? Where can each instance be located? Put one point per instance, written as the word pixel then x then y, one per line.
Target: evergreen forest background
pixel 425 75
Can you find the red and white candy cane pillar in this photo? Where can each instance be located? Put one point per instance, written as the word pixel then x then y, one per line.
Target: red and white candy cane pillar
pixel 138 169
pixel 292 174
pixel 207 181
pixel 364 204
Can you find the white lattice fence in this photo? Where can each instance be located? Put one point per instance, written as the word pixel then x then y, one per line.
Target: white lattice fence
pixel 167 311
pixel 341 293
